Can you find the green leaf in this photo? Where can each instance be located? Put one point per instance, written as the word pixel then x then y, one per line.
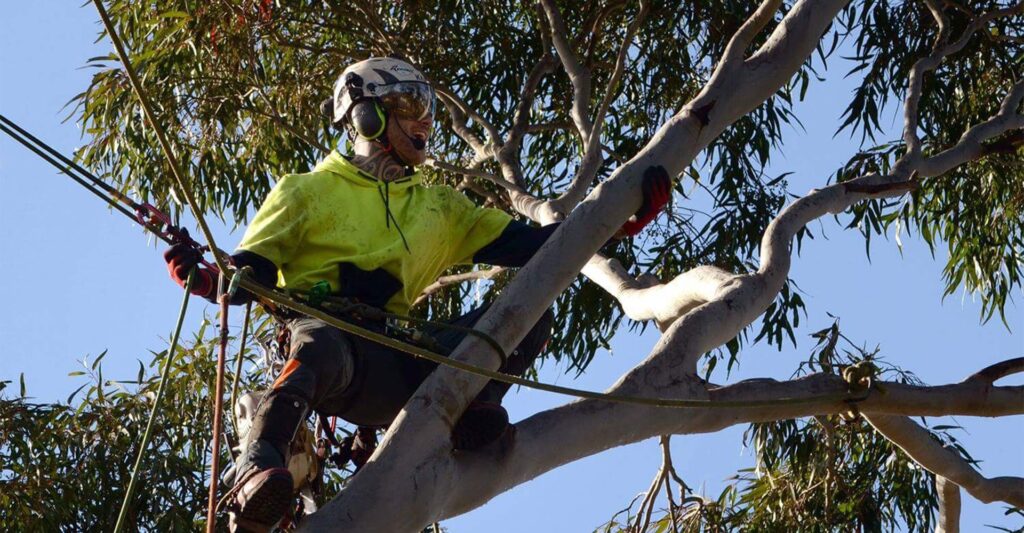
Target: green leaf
pixel 99 358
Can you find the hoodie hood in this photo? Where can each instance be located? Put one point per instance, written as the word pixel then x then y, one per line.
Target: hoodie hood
pixel 343 167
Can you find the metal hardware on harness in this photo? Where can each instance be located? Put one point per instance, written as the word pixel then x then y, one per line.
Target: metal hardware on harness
pixel 236 279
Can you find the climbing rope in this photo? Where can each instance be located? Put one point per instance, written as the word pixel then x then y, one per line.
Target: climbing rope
pixel 412 349
pixel 238 365
pixel 164 374
pixel 223 296
pixel 114 198
pixel 105 192
pixel 158 223
pixel 161 135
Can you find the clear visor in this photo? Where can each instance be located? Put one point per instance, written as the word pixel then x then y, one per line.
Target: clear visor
pixel 412 100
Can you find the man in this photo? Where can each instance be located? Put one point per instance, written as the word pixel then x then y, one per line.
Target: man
pixel 366 226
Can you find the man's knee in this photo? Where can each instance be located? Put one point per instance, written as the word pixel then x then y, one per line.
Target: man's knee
pixel 533 343
pixel 541 331
pixel 320 360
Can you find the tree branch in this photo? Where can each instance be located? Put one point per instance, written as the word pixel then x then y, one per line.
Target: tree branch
pixel 455 279
pixel 579 75
pixel 649 299
pixel 476 173
pixel 592 151
pixel 919 444
pixel 736 50
pixel 492 198
pixel 949 506
pixel 971 145
pixel 932 61
pixel 993 373
pixel 460 125
pixel 579 429
pixel 520 120
pixel 548 126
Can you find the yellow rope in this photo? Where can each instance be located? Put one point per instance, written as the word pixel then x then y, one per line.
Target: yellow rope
pixel 161 136
pixel 271 296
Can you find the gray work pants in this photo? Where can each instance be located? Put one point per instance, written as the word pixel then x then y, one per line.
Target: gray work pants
pixel 366 383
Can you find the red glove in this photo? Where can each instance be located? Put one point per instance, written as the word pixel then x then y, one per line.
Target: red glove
pixel 181 259
pixel 657 188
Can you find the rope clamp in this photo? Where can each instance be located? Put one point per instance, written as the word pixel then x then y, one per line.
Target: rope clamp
pixel 236 280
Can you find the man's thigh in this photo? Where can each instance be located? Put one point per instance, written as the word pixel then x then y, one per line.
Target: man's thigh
pixel 321 360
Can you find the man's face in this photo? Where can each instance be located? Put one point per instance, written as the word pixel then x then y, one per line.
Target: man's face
pixel 402 134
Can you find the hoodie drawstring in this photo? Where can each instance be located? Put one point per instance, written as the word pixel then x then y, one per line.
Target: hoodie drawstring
pixel 389 217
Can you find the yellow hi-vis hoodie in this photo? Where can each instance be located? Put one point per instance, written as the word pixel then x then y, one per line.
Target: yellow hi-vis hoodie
pixel 313 226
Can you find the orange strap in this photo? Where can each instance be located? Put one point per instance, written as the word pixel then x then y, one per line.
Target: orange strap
pixel 291 366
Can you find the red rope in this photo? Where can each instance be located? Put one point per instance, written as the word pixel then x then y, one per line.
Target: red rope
pixel 218 401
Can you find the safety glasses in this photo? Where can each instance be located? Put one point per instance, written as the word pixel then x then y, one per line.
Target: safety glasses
pixel 411 100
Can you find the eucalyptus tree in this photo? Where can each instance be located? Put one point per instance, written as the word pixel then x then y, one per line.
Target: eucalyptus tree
pixel 552 111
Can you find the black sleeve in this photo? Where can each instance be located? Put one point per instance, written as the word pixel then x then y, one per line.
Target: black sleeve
pixel 264 272
pixel 516 245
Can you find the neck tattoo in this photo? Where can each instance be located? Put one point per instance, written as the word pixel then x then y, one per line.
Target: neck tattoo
pixel 379 164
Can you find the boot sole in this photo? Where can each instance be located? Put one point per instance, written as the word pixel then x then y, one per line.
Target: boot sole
pixel 266 503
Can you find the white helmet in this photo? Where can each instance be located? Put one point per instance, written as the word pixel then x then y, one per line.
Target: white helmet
pixel 390 82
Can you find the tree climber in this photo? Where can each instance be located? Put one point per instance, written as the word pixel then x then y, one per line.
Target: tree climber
pixel 366 225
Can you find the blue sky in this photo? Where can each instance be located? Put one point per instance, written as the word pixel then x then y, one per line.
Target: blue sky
pixel 78 280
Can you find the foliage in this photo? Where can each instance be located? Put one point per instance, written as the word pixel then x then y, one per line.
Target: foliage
pixel 976 211
pixel 73 459
pixel 243 83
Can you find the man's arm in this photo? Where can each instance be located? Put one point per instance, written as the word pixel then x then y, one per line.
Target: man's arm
pixel 264 272
pixel 518 242
pixel 182 258
pixel 516 245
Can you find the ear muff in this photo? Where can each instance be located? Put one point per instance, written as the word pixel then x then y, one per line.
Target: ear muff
pixel 368 118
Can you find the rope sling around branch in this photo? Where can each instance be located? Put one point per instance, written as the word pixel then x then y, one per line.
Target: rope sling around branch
pixel 267 295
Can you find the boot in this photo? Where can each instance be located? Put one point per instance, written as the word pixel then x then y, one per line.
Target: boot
pixel 266 486
pixel 481 424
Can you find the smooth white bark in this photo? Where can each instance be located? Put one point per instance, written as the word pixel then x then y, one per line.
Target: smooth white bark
pixel 949 506
pixel 941 461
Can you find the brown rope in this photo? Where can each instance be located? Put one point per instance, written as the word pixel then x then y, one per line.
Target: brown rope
pixel 218 406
